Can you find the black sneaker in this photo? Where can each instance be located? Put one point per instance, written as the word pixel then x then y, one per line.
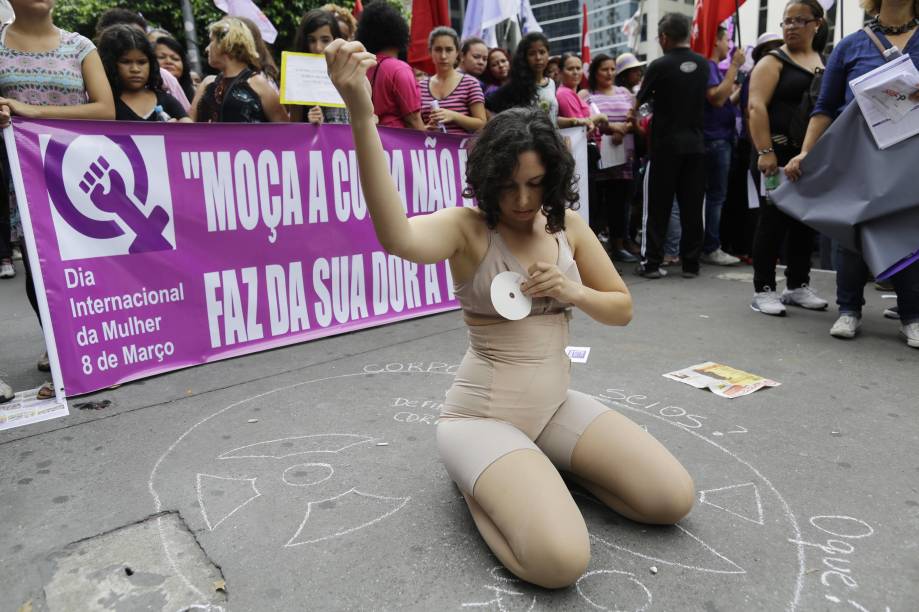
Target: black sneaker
pixel 690 274
pixel 650 273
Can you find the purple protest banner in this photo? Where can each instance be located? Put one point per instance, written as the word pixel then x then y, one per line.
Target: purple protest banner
pixel 161 246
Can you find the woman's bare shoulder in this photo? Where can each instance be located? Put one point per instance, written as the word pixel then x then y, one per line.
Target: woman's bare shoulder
pixel 576 229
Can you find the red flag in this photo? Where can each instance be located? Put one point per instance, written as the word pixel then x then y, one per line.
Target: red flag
pixel 709 15
pixel 426 15
pixel 585 37
pixel 358 9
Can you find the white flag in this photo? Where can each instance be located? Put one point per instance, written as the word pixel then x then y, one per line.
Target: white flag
pixel 632 29
pixel 528 21
pixel 6 12
pixel 248 9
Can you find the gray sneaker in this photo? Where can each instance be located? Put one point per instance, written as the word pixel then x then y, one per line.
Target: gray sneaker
pixel 6 392
pixel 892 313
pixel 648 273
pixel 911 331
pixel 768 302
pixel 6 268
pixel 805 297
pixel 846 326
pixel 719 258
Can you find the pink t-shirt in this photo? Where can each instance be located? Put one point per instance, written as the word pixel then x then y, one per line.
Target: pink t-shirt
pixel 570 105
pixel 172 87
pixel 395 91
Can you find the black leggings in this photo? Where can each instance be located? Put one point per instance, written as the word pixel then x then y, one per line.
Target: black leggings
pixel 30 283
pixel 775 228
pixel 613 201
pixel 6 248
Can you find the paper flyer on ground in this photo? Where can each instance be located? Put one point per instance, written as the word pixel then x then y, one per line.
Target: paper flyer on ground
pixel 25 408
pixel 721 380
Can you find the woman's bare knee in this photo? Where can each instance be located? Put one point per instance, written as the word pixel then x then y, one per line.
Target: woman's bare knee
pixel 533 519
pixel 670 502
pixel 556 560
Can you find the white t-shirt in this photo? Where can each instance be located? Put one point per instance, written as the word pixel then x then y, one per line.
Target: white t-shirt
pixel 546 100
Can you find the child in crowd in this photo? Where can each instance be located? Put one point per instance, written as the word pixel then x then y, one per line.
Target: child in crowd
pixel 316 30
pixel 131 68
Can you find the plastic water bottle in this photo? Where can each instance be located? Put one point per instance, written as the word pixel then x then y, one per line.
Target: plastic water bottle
pixel 160 114
pixel 435 104
pixel 773 181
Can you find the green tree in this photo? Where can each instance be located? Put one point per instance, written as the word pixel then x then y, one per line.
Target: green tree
pixel 81 15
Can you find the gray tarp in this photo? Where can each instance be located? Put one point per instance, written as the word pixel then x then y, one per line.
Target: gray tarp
pixel 865 198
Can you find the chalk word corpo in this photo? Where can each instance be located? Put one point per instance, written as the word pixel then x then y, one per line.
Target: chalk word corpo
pixel 415 367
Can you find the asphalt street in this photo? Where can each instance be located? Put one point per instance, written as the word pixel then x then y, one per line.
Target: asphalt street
pixel 307 478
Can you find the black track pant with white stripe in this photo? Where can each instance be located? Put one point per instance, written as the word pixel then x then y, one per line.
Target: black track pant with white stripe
pixel 672 175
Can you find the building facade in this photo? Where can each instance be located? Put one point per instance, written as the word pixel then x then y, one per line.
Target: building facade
pixel 561 22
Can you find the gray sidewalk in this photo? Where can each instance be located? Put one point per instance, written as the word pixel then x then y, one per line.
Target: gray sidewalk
pixel 307 478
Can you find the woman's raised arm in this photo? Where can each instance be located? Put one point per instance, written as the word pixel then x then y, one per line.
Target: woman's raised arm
pixel 424 239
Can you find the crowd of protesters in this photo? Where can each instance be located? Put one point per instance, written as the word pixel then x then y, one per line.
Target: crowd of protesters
pixel 670 144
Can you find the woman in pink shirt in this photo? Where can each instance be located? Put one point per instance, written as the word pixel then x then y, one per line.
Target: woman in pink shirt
pixel 572 110
pixel 394 90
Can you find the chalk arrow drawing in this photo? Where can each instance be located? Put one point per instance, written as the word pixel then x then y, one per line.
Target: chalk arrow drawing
pixel 220 497
pixel 741 500
pixel 688 547
pixel 343 514
pixel 296 445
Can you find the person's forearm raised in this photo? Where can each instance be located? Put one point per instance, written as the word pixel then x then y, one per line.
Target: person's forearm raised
pixel 347 69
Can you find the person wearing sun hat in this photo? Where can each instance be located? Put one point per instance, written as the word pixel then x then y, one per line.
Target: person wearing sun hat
pixel 624 63
pixel 766 42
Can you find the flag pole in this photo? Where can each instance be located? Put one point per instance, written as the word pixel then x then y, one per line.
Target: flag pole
pixel 737 24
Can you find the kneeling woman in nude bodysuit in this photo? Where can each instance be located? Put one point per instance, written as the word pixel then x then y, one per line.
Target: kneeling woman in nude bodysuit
pixel 509 422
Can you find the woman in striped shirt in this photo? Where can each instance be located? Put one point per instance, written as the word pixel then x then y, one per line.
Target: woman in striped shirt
pixel 613 185
pixel 451 102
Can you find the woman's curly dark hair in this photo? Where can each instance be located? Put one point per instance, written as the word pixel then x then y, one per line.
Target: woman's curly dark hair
pixel 117 40
pixel 185 80
pixel 494 156
pixel 382 26
pixel 595 64
pixel 520 89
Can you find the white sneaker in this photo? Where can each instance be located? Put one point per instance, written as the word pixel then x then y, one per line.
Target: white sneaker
pixel 719 258
pixel 17 253
pixel 6 392
pixel 805 297
pixel 6 269
pixel 911 332
pixel 846 326
pixel 767 302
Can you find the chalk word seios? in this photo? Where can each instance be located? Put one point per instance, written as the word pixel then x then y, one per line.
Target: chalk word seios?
pixel 674 414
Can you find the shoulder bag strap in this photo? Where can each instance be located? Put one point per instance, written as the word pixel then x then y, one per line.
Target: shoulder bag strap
pixel 877 42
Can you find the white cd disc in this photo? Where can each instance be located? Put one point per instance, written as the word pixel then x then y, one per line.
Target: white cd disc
pixel 507 297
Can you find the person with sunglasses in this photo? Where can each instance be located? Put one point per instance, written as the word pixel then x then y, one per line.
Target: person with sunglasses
pixel 777 85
